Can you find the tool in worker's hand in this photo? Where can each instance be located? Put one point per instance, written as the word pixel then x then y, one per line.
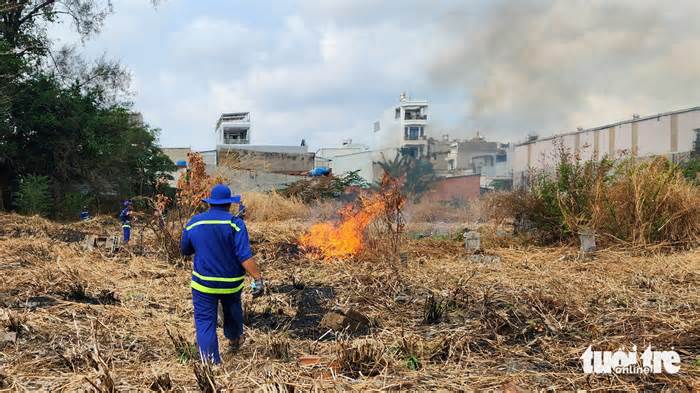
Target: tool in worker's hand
pixel 241 210
pixel 258 287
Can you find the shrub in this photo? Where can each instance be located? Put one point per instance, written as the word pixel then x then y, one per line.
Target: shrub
pixel 649 202
pixel 638 201
pixel 558 201
pixel 691 170
pixel 324 187
pixel 71 205
pixel 34 196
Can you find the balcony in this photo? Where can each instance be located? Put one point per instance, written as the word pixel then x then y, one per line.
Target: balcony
pixel 415 116
pixel 236 141
pixel 235 136
pixel 414 138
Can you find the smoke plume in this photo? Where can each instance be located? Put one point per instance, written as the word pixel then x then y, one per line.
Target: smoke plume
pixel 551 66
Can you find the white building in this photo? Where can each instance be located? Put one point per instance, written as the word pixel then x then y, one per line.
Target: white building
pixel 670 134
pixel 364 161
pixel 405 127
pixel 233 129
pixel 326 155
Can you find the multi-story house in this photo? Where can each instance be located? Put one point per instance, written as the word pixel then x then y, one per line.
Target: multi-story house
pixel 233 129
pixel 405 127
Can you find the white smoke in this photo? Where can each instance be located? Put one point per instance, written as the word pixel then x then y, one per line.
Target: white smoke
pixel 550 66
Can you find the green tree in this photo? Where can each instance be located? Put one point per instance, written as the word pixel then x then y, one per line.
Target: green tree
pixel 65 118
pixel 33 196
pixel 23 22
pixel 77 138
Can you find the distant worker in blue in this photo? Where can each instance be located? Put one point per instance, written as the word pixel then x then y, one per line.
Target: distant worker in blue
pixel 222 257
pixel 125 218
pixel 84 214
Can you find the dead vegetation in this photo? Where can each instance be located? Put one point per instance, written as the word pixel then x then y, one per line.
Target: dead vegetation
pixel 273 207
pixel 434 321
pixel 642 204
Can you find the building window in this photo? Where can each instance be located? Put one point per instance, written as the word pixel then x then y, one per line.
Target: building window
pixel 413 133
pixel 411 151
pixel 697 141
pixel 376 126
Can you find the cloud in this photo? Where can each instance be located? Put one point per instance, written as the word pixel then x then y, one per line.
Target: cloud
pixel 551 66
pixel 326 70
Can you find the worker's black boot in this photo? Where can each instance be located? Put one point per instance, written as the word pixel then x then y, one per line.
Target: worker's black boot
pixel 235 344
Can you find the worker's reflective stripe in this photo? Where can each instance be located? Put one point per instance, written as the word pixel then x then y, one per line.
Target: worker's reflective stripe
pixel 220 279
pixel 216 291
pixel 203 222
pixel 126 226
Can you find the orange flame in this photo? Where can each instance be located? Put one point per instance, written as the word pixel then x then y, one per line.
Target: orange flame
pixel 329 240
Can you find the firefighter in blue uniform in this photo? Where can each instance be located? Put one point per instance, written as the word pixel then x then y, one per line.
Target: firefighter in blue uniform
pixel 125 218
pixel 84 214
pixel 222 257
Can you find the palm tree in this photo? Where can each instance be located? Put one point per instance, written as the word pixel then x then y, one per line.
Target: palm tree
pixel 416 174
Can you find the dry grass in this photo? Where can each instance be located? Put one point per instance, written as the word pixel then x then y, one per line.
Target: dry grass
pixel 649 203
pixel 638 203
pixel 520 323
pixel 436 211
pixel 273 207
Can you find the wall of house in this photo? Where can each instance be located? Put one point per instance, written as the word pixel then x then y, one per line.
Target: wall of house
pixel 276 162
pixel 176 154
pixel 666 134
pixel 438 151
pixel 325 156
pixel 464 152
pixel 364 162
pixel 266 148
pixel 456 188
pixel 241 180
pixel 209 157
pixel 390 134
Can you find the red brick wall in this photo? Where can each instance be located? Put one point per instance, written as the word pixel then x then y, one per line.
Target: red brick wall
pixel 459 187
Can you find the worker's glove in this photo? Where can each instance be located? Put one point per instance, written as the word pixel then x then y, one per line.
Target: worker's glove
pixel 241 210
pixel 258 287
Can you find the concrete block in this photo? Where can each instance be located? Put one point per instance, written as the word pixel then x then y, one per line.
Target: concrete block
pixel 472 241
pixel 587 239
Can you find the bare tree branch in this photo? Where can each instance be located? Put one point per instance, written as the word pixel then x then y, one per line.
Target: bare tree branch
pixel 34 11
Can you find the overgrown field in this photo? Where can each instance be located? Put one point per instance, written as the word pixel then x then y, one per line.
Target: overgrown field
pixel 438 320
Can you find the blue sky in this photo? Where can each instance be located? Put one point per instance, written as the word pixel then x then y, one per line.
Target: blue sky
pixel 325 70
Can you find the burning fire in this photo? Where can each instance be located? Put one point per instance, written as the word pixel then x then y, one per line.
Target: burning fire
pixel 343 239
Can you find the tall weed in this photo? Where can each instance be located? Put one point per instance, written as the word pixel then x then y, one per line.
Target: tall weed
pixel 639 201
